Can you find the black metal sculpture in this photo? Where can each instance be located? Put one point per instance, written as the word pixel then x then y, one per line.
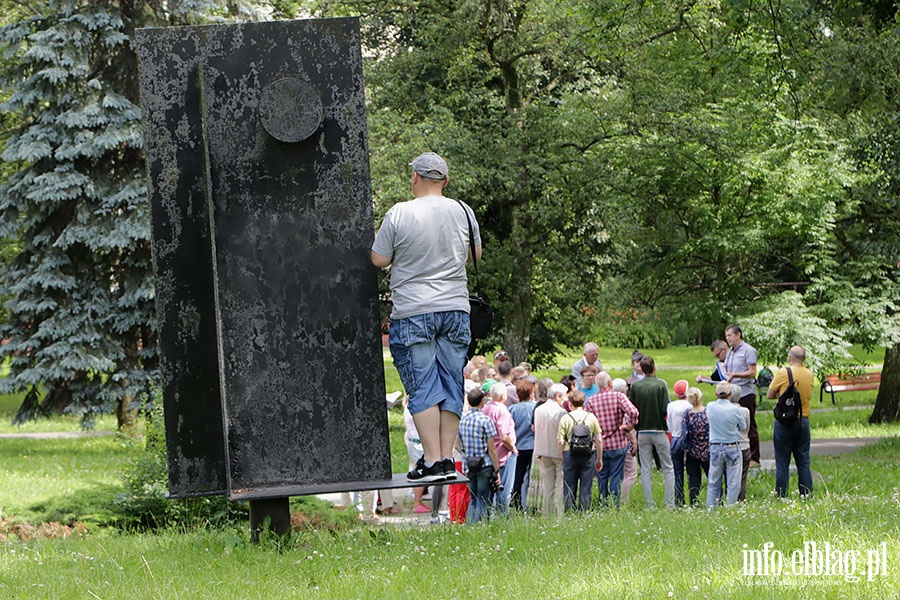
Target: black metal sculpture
pixel 255 137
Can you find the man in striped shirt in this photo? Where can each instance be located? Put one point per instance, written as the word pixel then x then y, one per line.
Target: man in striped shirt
pixel 611 408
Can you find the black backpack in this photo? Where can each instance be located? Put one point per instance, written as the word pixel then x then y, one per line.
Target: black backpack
pixel 787 410
pixel 581 442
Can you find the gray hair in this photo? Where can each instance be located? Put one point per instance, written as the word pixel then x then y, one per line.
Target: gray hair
pixel 602 379
pixel 620 385
pixel 557 389
pixel 544 386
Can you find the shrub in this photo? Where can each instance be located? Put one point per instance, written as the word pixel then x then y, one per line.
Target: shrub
pixel 627 328
pixel 144 504
pixel 784 320
pixel 651 336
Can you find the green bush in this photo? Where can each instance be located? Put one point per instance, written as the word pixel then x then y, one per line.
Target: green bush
pixel 649 336
pixel 91 508
pixel 784 320
pixel 143 503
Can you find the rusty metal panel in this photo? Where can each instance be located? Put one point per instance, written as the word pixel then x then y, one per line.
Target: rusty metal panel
pixel 286 178
pixel 182 261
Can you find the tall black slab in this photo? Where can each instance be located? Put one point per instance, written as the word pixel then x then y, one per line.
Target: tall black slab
pixel 182 260
pixel 285 174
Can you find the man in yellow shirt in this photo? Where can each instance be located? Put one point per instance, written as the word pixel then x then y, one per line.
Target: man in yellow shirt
pixel 793 441
pixel 579 468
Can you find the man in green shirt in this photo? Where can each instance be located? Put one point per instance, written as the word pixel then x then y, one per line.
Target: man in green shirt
pixel 651 397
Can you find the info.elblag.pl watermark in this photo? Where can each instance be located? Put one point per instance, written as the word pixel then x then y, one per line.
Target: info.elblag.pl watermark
pixel 816 559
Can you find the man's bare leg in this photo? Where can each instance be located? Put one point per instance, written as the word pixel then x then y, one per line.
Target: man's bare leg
pixel 449 427
pixel 429 425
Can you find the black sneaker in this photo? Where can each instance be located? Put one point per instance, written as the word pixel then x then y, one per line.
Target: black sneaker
pixel 424 474
pixel 449 468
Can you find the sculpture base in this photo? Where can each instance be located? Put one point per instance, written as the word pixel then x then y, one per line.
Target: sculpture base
pixel 396 482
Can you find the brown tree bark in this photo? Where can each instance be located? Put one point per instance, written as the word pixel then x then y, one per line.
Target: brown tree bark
pixel 887 403
pixel 127 418
pixel 518 322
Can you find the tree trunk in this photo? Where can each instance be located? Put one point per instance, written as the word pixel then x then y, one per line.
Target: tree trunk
pixel 518 322
pixel 55 401
pixel 887 403
pixel 126 419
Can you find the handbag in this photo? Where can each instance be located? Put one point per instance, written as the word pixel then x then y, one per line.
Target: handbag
pixel 481 314
pixel 474 464
pixel 683 442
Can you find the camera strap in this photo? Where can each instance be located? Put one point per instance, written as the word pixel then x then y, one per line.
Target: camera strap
pixel 472 247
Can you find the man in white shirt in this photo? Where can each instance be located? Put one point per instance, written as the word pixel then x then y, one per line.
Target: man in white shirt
pixel 546 449
pixel 591 354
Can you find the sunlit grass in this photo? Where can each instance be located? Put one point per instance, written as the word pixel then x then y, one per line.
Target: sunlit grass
pixel 632 553
pixel 9 405
pixel 57 423
pixel 34 472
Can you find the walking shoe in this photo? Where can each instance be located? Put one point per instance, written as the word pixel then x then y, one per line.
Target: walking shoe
pixel 449 468
pixel 424 474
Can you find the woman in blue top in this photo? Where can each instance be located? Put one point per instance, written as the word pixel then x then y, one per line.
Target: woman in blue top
pixel 523 415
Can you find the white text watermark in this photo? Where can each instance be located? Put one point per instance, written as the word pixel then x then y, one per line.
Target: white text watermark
pixel 816 559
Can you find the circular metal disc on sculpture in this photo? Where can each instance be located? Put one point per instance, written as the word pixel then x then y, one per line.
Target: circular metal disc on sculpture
pixel 290 110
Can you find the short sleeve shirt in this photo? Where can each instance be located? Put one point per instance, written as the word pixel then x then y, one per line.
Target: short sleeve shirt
pixel 428 240
pixel 803 379
pixel 505 425
pixel 475 432
pixel 611 408
pixel 567 423
pixel 739 360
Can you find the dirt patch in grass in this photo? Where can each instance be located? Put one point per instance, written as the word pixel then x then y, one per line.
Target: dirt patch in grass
pixel 13 530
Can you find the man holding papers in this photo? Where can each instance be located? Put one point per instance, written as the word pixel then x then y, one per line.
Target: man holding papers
pixel 719 349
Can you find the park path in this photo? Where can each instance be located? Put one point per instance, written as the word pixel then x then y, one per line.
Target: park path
pixel 823 447
pixel 54 435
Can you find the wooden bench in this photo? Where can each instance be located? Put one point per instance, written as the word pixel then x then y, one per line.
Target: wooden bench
pixel 852 383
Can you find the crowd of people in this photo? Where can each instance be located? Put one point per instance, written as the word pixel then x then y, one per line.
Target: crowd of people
pixel 531 444
pixel 512 428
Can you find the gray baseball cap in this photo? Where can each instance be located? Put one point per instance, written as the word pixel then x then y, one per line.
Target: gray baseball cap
pixel 430 166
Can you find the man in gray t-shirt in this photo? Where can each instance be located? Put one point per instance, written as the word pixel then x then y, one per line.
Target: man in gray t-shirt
pixel 426 243
pixel 740 369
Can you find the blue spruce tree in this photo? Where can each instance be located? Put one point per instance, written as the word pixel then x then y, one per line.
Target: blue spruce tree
pixel 80 332
pixel 79 317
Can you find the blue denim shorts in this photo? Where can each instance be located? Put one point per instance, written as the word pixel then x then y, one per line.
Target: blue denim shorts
pixel 429 352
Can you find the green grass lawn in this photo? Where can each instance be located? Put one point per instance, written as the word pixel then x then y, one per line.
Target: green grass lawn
pixel 10 403
pixel 632 553
pixel 67 480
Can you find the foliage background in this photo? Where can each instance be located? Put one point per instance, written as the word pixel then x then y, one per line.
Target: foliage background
pixel 643 174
